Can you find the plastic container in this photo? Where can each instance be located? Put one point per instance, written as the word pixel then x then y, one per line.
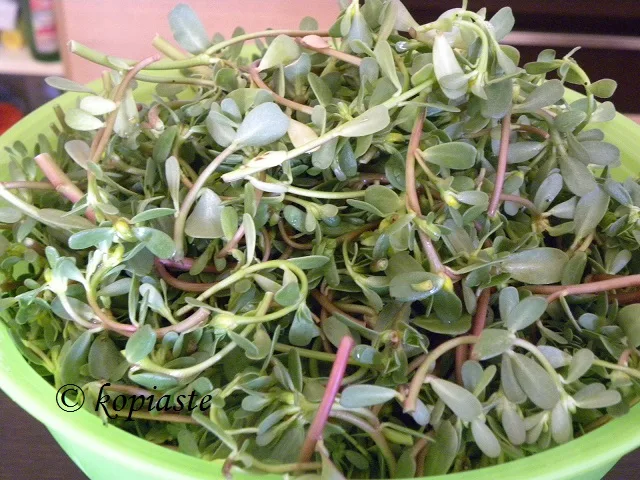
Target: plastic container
pixel 105 452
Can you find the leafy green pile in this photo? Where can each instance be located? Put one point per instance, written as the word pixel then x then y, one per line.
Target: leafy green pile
pixel 385 250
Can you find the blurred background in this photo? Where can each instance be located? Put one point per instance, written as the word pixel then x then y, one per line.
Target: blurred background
pixel 33 35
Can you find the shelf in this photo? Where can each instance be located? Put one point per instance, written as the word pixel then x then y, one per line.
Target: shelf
pixel 20 62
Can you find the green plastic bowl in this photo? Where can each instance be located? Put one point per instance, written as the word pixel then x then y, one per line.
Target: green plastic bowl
pixel 105 452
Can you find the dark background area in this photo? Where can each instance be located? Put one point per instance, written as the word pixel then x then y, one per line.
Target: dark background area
pixel 614 18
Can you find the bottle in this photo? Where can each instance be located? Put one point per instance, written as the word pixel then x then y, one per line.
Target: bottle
pixel 41 29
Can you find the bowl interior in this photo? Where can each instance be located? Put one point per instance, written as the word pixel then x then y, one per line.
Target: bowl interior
pixel 589 456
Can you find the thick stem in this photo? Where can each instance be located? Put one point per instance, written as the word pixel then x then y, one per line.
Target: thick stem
pixel 180 284
pixel 267 33
pixel 185 265
pixel 61 182
pixel 105 134
pixel 423 370
pixel 331 308
pixel 285 102
pixel 556 291
pixel 190 198
pixel 502 165
pixel 331 52
pixel 289 241
pixel 522 201
pixel 413 202
pixel 335 379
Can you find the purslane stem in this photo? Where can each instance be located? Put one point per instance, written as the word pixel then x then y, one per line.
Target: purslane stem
pixel 422 371
pixel 190 198
pixel 501 169
pixel 266 33
pixel 335 379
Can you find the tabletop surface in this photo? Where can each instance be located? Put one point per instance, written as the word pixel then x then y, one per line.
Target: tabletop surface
pixel 28 452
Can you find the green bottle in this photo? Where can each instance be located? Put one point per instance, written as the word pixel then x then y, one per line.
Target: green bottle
pixel 41 33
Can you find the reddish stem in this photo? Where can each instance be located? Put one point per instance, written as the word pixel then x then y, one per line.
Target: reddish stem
pixel 61 182
pixel 482 308
pixel 291 242
pixel 285 102
pixel 557 291
pixel 104 135
pixel 328 305
pixel 462 355
pixel 502 165
pixel 520 200
pixel 331 52
pixel 185 265
pixel 180 284
pixel 322 415
pixel 266 252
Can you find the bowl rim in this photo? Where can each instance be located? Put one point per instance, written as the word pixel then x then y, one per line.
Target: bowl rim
pixel 34 394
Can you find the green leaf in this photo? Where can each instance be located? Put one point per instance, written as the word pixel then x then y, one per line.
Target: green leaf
pixel 187 29
pixel 443 451
pixel 157 242
pixel 525 313
pixel 603 88
pixel 288 294
pixel 435 325
pixel 90 238
pixel 164 144
pixel 302 330
pixel 250 237
pixel 485 439
pixel 537 266
pixel 216 429
pixel 548 191
pixel 493 342
pixel 448 306
pixel 577 176
pixel 590 211
pixel 455 155
pixel 502 22
pixel 367 123
pixel 461 402
pixel 73 356
pixel 96 105
pixel 508 299
pixel 524 151
pixel 282 51
pixel 359 396
pixel 152 214
pixel 263 125
pixel 323 157
pixel 320 89
pixel 629 321
pixel 535 381
pixel 151 380
pixel 509 383
pixel 567 121
pixel 602 153
pixel 574 269
pixel 595 395
pixel 580 364
pixel 383 199
pixel 140 344
pixel 67 85
pixel 384 57
pixel 546 94
pixel 413 286
pixel 105 360
pixel 205 219
pixel 309 262
pixel 81 120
